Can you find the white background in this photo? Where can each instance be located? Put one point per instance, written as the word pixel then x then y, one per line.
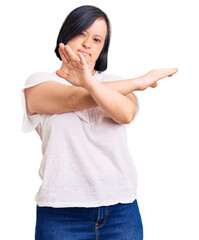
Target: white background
pixel 163 138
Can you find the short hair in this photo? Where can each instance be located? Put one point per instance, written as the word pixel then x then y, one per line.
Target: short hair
pixel 78 21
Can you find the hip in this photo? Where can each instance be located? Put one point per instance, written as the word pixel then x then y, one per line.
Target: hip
pixel 118 221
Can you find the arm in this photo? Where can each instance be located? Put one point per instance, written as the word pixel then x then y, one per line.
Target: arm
pixel 52 97
pixel 119 107
pixel 83 99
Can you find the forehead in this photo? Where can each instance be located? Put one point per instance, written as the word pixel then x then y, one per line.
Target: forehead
pixel 99 27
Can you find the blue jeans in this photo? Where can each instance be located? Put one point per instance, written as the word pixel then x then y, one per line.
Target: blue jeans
pixel 114 222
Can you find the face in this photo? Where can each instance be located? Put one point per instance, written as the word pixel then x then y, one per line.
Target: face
pixel 90 42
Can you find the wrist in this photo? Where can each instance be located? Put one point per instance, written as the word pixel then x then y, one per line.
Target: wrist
pixel 136 83
pixel 90 84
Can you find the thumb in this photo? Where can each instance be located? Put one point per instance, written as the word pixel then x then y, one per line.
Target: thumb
pixel 61 74
pixel 154 85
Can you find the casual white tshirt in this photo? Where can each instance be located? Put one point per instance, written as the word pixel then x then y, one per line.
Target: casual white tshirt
pixel 86 161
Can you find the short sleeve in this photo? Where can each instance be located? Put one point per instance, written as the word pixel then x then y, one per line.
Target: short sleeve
pixel 31 122
pixel 109 78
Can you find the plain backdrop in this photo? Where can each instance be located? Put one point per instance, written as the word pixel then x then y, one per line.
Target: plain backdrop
pixel 163 138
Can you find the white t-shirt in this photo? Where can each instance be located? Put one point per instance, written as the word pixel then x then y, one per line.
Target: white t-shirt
pixel 86 161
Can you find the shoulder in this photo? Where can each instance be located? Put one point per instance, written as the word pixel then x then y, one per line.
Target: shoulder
pixel 105 77
pixel 40 77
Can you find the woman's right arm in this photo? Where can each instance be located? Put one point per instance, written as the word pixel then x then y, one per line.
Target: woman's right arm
pixel 52 97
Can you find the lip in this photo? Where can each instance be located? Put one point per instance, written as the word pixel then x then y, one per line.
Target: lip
pixel 84 53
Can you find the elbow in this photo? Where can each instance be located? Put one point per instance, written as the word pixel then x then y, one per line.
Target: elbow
pixel 125 117
pixel 131 112
pixel 130 117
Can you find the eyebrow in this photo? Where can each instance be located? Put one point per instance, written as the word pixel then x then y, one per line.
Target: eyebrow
pixel 99 36
pixel 95 34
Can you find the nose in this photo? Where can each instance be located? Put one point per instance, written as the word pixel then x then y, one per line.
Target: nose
pixel 87 43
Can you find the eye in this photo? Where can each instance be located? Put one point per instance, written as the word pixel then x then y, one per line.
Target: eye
pixel 97 40
pixel 83 34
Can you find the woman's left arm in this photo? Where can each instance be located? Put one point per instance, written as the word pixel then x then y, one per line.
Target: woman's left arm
pixel 120 108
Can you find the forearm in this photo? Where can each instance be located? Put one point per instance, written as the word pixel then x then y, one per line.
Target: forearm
pixel 116 105
pixel 82 99
pixel 123 86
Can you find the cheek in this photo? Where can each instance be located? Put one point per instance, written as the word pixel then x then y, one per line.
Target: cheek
pixel 74 43
pixel 98 51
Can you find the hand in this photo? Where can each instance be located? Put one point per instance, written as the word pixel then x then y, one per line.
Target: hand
pixel 150 79
pixel 78 72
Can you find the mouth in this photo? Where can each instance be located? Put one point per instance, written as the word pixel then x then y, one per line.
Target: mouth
pixel 84 53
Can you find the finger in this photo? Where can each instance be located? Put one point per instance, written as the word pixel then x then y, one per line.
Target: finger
pixel 175 70
pixel 169 71
pixel 70 54
pixel 61 50
pixel 154 85
pixel 172 71
pixel 82 58
pixel 61 46
pixel 166 72
pixel 63 57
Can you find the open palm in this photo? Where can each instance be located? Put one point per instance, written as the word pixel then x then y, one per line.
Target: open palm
pixel 150 79
pixel 78 72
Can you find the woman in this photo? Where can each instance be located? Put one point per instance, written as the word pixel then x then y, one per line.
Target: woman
pixel 88 176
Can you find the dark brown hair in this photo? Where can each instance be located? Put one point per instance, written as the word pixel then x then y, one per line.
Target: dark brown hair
pixel 78 21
